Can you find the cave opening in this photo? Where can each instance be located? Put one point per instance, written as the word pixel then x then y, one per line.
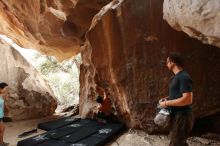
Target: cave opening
pixel 61 77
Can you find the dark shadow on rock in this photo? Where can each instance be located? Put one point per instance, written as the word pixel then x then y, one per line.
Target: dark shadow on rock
pixel 208 127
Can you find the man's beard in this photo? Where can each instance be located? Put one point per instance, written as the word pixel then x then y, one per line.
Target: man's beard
pixel 171 68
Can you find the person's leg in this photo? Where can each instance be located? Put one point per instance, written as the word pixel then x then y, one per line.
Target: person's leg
pixel 185 129
pixel 181 127
pixel 1 132
pixel 101 115
pixel 173 131
pixel 112 119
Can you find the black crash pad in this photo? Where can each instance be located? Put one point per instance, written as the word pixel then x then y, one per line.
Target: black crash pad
pixel 81 134
pixel 77 126
pixel 84 132
pixel 35 139
pixel 55 124
pixel 103 136
pixel 85 124
pixel 54 143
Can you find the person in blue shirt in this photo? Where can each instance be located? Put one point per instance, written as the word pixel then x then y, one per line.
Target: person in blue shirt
pixel 3 91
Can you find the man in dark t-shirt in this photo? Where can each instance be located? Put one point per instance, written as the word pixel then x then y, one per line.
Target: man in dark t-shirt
pixel 179 101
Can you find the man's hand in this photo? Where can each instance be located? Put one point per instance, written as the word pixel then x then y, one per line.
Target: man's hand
pixel 163 99
pixel 162 102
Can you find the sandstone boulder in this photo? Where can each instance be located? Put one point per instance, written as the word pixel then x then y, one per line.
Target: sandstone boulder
pixel 29 94
pixel 198 18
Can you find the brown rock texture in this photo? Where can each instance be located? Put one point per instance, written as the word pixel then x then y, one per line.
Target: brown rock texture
pixel 125 55
pixel 198 18
pixel 124 44
pixel 54 27
pixel 37 24
pixel 29 94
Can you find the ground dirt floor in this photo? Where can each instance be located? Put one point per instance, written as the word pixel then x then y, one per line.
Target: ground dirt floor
pixel 131 137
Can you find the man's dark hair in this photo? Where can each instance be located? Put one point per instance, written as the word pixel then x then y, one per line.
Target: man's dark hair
pixel 99 99
pixel 177 59
pixel 3 85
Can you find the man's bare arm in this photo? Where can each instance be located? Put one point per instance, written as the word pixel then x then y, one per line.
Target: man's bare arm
pixel 186 99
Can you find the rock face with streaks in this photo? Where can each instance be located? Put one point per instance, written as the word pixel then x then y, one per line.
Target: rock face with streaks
pixel 29 95
pixel 124 44
pixel 125 55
